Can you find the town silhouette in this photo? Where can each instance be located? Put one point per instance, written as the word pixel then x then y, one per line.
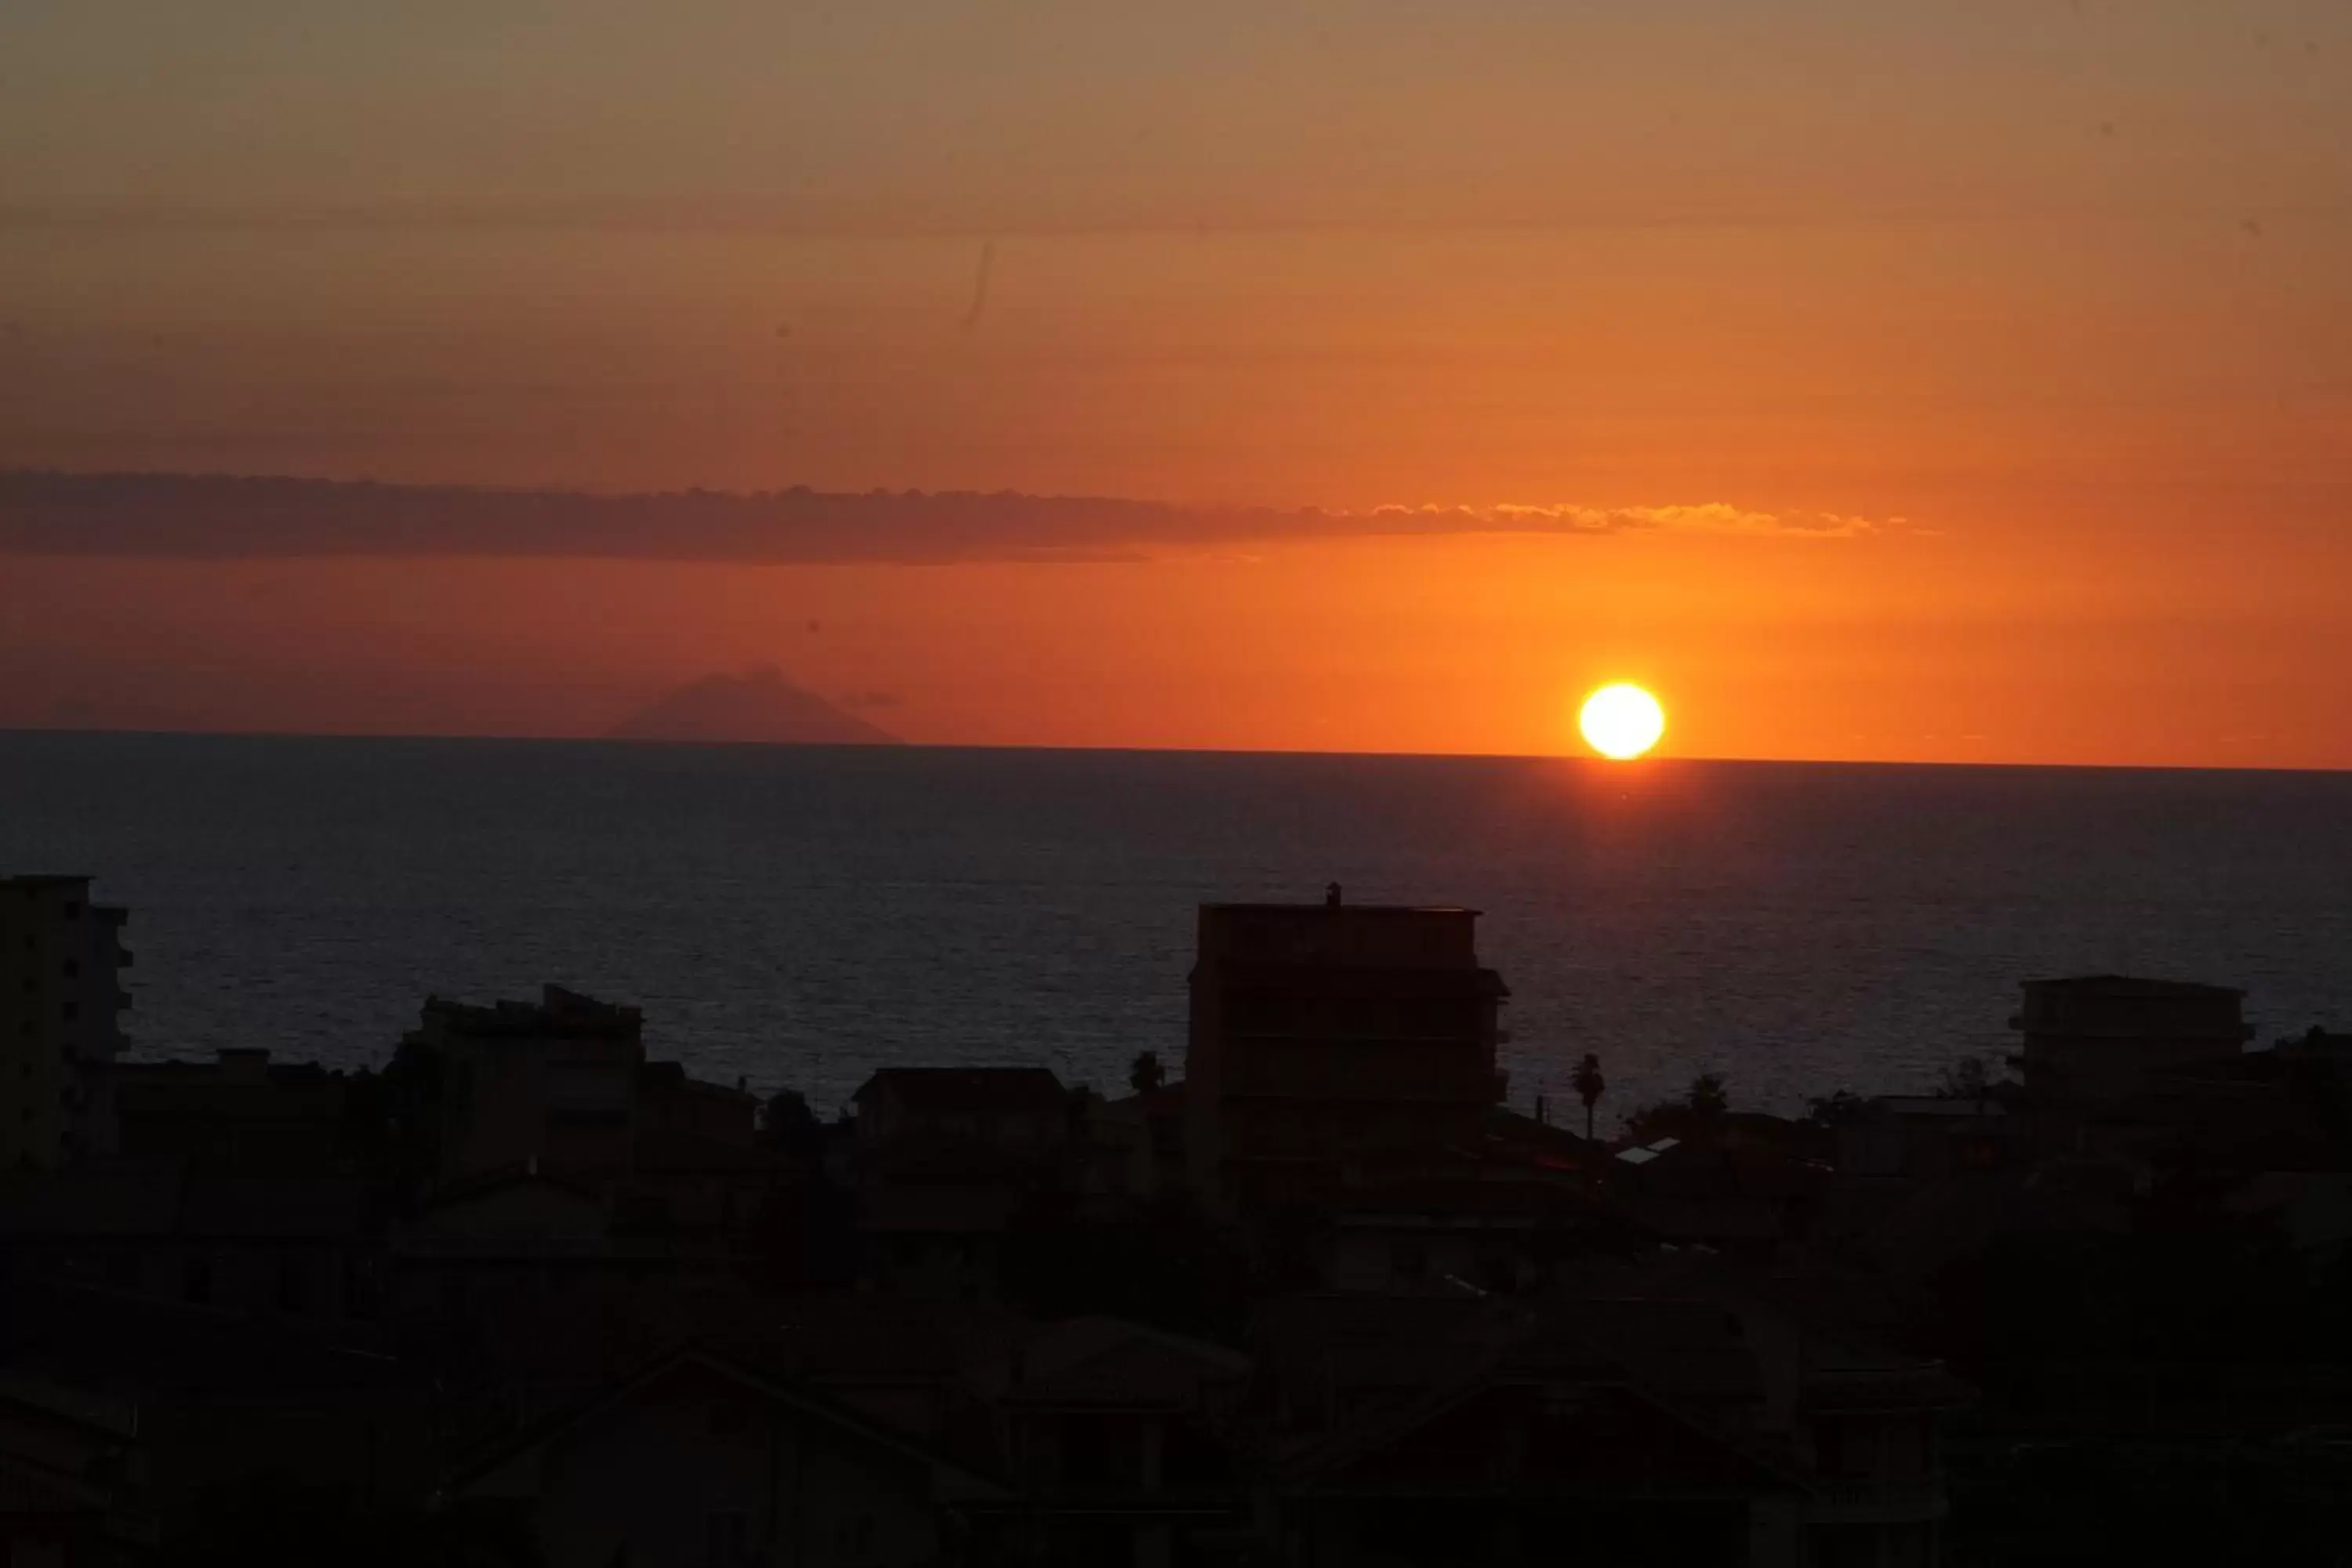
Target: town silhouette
pixel 1302 1291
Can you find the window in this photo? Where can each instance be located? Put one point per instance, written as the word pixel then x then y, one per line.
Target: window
pixel 73 968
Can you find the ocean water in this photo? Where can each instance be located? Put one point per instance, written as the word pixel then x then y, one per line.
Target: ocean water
pixel 800 917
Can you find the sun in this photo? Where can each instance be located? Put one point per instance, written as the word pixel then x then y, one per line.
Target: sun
pixel 1621 722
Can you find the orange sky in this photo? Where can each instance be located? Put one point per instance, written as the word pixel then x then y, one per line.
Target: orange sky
pixel 2055 300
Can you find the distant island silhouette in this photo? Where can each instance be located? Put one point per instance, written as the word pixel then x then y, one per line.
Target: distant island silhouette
pixel 755 707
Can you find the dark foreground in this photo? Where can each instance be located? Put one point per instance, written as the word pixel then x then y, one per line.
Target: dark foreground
pixel 521 1295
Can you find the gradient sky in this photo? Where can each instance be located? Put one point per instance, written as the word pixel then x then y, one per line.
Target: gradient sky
pixel 2056 298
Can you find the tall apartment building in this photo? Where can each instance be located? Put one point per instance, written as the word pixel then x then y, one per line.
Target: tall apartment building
pixel 1331 1039
pixel 61 1001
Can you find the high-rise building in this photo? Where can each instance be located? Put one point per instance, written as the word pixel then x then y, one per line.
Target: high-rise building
pixel 61 1001
pixel 1331 1040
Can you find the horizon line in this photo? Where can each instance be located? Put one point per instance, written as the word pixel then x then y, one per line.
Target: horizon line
pixel 1635 765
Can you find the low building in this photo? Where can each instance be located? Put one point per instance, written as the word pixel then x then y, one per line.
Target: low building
pixel 203 1404
pixel 703 1460
pixel 1464 1432
pixel 1013 1110
pixel 61 1000
pixel 296 1247
pixel 239 1111
pixel 669 1101
pixel 1119 1445
pixel 2092 1040
pixel 943 1161
pixel 1740 1181
pixel 552 1083
pixel 1136 1145
pixel 1929 1138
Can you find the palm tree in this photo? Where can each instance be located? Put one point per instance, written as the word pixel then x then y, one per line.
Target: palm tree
pixel 1145 1073
pixel 1588 1083
pixel 1706 1096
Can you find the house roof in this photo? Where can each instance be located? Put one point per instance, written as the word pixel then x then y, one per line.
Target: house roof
pixel 799 1396
pixel 102 1340
pixel 558 1014
pixel 970 1091
pixel 668 1077
pixel 1939 1105
pixel 479 1184
pixel 1328 906
pixel 1111 1362
pixel 1552 1354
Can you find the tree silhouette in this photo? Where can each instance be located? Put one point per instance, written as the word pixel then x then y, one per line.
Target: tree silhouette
pixel 1589 1085
pixel 1966 1079
pixel 1706 1096
pixel 1145 1073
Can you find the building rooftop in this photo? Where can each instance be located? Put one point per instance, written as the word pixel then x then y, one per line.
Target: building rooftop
pixel 1968 1106
pixel 2128 985
pixel 558 1013
pixel 1327 907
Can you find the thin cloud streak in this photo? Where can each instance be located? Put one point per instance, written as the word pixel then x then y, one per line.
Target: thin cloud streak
pixel 216 517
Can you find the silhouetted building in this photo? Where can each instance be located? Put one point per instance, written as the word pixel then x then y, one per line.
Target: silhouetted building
pixel 552 1085
pixel 1015 1111
pixel 669 1102
pixel 1325 1034
pixel 2096 1039
pixel 1740 1181
pixel 1929 1138
pixel 943 1161
pixel 61 1001
pixel 237 1110
pixel 704 1458
pixel 1136 1144
pixel 288 1245
pixel 1119 1442
pixel 182 1405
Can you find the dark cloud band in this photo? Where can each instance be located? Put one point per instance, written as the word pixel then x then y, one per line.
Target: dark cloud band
pixel 203 517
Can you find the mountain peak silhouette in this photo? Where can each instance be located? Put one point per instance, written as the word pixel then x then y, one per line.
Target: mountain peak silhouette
pixel 757 706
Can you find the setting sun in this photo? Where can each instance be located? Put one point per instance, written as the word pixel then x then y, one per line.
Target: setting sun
pixel 1621 722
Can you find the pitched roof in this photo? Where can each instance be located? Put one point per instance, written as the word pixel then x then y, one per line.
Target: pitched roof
pixel 783 1391
pixel 1112 1363
pixel 101 1340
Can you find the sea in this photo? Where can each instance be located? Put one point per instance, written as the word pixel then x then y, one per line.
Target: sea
pixel 797 917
